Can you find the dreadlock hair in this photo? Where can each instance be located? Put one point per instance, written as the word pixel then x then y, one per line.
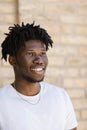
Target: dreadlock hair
pixel 19 34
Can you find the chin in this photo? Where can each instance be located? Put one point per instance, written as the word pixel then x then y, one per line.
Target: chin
pixel 36 80
pixel 32 80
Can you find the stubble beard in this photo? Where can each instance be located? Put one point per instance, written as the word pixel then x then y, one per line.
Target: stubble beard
pixel 32 80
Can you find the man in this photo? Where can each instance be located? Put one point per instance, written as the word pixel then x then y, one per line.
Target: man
pixel 28 103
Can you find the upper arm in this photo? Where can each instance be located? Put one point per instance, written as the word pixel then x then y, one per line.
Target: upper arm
pixel 74 129
pixel 71 122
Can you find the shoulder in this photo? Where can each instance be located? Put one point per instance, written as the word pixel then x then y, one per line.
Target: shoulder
pixel 4 91
pixel 55 90
pixel 52 87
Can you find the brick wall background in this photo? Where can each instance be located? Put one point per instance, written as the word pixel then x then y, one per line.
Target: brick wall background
pixel 66 22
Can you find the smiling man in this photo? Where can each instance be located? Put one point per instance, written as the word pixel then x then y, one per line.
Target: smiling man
pixel 29 103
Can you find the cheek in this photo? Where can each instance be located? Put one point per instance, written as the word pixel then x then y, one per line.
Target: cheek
pixel 21 62
pixel 46 61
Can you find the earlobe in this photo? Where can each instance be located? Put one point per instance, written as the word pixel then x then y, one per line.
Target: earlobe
pixel 12 60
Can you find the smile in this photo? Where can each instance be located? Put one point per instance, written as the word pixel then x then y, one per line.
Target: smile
pixel 38 69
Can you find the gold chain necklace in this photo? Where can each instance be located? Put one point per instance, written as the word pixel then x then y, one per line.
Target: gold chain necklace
pixel 23 99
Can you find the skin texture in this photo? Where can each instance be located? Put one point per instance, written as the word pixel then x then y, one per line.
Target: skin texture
pixel 74 129
pixel 29 67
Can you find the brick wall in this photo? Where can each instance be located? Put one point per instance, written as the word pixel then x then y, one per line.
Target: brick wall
pixel 8 16
pixel 66 22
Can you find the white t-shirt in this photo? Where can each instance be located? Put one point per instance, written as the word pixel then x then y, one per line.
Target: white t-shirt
pixel 51 109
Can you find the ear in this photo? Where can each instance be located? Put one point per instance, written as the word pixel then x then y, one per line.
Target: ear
pixel 12 60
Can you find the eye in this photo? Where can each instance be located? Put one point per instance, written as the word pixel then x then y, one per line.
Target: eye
pixel 43 52
pixel 29 53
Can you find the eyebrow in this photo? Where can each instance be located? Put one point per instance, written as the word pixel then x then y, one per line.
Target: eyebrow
pixel 31 50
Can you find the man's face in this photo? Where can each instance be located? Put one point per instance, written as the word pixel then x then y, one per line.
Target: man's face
pixel 31 61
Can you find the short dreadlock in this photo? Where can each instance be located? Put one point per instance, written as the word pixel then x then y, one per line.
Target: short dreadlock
pixel 19 34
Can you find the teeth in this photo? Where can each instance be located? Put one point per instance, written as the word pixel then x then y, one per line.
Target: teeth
pixel 37 69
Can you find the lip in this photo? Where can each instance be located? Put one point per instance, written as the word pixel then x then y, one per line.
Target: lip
pixel 38 69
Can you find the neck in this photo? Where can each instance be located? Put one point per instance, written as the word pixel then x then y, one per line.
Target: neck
pixel 28 89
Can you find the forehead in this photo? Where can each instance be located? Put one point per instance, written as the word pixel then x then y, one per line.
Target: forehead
pixel 34 44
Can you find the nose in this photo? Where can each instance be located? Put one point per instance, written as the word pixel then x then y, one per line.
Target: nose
pixel 38 60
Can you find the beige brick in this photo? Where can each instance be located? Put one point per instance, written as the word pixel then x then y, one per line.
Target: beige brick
pixel 61 71
pixel 50 72
pixel 73 19
pixel 7 1
pixel 52 8
pixel 39 1
pixel 9 8
pixel 82 9
pixel 49 16
pixel 82 125
pixel 80 103
pixel 1 84
pixel 57 81
pixel 26 18
pixel 71 72
pixel 6 81
pixel 78 114
pixel 70 1
pixel 2 36
pixel 76 93
pixel 67 28
pixel 81 30
pixel 74 40
pixel 83 72
pixel 32 6
pixel 56 38
pixel 56 61
pixel 76 61
pixel 75 82
pixel 86 93
pixel 53 29
pixel 84 114
pixel 6 72
pixel 83 50
pixel 63 50
pixel 9 19
pixel 3 29
pixel 65 9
